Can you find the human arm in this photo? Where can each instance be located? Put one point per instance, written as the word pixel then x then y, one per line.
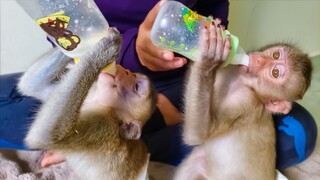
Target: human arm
pixel 171 114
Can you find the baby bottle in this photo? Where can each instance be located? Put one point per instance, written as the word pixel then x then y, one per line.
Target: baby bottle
pixel 75 26
pixel 178 28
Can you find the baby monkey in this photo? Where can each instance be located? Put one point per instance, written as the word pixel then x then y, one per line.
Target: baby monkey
pixel 92 117
pixel 228 111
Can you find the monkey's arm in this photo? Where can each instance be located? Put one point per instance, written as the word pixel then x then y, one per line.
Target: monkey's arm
pixel 59 114
pixel 199 104
pixel 39 80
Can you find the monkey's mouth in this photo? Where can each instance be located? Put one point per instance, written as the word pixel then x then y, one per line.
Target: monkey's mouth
pixel 244 69
pixel 106 78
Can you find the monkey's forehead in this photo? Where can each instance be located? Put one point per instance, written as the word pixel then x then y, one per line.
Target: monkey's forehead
pixel 285 45
pixel 142 76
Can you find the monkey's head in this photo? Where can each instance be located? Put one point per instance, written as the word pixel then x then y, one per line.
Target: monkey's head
pixel 279 73
pixel 130 95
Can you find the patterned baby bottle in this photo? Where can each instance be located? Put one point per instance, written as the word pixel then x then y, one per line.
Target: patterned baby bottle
pixel 178 28
pixel 75 26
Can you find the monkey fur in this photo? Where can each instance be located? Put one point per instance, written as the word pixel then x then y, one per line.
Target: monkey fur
pixel 228 111
pixel 89 137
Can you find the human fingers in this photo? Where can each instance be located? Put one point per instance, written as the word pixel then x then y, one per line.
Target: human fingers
pixel 155 64
pixel 151 16
pixel 51 158
pixel 151 56
pixel 155 58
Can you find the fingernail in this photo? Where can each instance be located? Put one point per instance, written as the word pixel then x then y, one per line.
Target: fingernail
pixel 166 56
pixel 178 63
pixel 161 2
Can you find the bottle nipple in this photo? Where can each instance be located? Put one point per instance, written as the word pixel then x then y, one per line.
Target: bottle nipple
pixel 110 68
pixel 237 56
pixel 240 58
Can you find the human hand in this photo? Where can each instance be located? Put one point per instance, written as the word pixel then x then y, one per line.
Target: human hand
pixel 51 158
pixel 151 56
pixel 170 113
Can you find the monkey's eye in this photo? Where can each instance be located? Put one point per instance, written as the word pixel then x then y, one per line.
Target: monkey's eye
pixel 136 88
pixel 276 55
pixel 141 86
pixel 275 72
pixel 278 71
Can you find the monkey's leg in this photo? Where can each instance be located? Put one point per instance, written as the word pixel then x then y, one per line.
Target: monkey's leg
pixel 194 166
pixel 39 80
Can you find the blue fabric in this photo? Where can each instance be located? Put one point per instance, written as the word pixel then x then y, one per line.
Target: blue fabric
pixel 16 112
pixel 296 136
pixel 165 145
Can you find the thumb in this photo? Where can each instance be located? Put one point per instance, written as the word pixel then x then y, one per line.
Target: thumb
pixel 151 16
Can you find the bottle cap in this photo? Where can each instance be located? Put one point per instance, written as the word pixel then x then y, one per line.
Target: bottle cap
pixel 234 42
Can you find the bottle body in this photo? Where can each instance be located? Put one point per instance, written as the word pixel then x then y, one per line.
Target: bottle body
pixel 178 28
pixel 75 26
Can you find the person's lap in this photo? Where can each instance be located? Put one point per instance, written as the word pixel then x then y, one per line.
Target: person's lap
pixel 296 132
pixel 16 112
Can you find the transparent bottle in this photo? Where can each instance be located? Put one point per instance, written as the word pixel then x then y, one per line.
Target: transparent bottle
pixel 75 26
pixel 178 28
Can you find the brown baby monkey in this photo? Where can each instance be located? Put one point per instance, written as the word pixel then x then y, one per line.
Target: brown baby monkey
pixel 228 110
pixel 92 117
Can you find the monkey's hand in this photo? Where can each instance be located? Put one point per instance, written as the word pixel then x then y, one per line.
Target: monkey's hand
pixel 213 48
pixel 105 51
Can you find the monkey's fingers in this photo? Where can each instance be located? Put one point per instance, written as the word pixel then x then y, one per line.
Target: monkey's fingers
pixel 213 40
pixel 227 47
pixel 220 44
pixel 204 44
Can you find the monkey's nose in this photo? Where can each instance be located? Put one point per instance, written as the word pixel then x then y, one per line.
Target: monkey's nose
pixel 127 72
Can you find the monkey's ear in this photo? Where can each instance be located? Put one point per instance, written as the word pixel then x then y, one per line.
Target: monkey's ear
pixel 279 106
pixel 130 130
